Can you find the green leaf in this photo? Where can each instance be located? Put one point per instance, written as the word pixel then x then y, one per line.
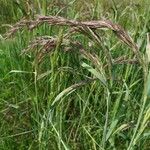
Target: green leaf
pixel 43 75
pixel 71 89
pixel 148 47
pixel 111 129
pixel 67 91
pixel 95 73
pixel 148 85
pixel 19 71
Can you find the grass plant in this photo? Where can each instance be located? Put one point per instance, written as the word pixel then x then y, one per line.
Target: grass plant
pixel 74 75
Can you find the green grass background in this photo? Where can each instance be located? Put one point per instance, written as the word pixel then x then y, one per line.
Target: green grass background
pixel 90 117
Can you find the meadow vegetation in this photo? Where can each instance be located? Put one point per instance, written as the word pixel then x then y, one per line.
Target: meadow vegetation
pixel 74 74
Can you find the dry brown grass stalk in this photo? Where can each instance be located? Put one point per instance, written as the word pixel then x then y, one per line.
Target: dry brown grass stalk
pixel 47 44
pixel 56 20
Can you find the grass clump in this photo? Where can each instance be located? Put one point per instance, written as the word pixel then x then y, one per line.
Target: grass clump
pixel 72 77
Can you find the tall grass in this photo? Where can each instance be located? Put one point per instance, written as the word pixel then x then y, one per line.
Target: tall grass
pixel 73 83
